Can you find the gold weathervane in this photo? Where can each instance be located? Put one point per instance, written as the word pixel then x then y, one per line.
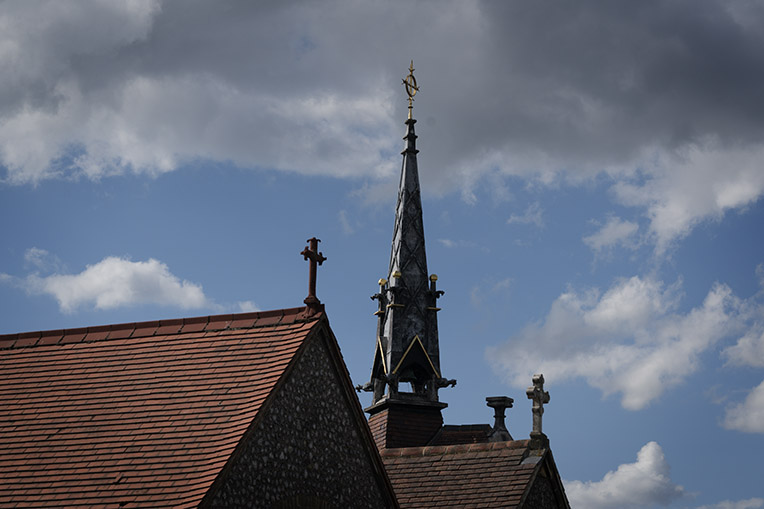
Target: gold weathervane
pixel 411 87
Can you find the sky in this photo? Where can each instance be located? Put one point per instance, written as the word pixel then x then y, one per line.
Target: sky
pixel 592 176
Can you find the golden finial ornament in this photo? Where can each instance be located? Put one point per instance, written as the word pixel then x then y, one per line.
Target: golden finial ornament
pixel 411 87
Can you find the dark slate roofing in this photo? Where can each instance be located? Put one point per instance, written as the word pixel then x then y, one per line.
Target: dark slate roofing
pixel 495 474
pixel 136 414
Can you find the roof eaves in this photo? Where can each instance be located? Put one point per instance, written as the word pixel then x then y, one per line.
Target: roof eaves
pixel 440 450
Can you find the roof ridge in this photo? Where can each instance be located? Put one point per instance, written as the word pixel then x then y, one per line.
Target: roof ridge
pixel 233 321
pixel 439 450
pixel 467 426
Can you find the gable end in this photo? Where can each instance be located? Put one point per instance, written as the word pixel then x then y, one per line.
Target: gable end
pixel 308 444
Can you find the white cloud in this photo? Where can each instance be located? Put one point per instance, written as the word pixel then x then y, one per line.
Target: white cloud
pixel 41 100
pixel 462 244
pixel 116 282
pixel 42 260
pixel 247 306
pixel 479 293
pixel 347 228
pixel 703 184
pixel 629 340
pixel 645 483
pixel 614 232
pixel 149 127
pixel 747 416
pixel 749 349
pixel 751 503
pixel 532 215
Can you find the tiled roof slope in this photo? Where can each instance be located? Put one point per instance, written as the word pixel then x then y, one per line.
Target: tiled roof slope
pixel 141 414
pixel 494 474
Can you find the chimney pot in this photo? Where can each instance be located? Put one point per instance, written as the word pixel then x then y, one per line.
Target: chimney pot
pixel 499 433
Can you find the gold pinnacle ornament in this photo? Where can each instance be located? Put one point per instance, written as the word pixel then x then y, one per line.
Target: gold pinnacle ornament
pixel 411 87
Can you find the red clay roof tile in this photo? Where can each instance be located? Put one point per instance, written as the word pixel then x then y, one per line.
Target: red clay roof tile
pixel 27 339
pixel 74 336
pixel 194 324
pixel 218 322
pixel 121 331
pixel 143 329
pixel 97 333
pixel 169 326
pixel 145 414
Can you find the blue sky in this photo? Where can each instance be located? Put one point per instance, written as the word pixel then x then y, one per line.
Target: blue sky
pixel 592 184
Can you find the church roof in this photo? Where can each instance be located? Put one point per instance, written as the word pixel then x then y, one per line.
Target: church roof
pixel 493 474
pixel 137 414
pixel 451 434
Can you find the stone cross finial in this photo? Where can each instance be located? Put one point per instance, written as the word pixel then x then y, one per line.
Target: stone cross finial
pixel 539 397
pixel 316 258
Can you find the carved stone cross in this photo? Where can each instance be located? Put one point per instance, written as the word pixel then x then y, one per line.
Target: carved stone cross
pixel 539 397
pixel 316 258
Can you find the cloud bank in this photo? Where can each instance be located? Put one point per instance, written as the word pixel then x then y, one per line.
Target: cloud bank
pixel 629 340
pixel 748 351
pixel 664 99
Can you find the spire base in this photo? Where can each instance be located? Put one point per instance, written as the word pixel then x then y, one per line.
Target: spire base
pixel 400 423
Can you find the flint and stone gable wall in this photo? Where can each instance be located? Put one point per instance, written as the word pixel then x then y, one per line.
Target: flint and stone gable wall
pixel 306 450
pixel 542 494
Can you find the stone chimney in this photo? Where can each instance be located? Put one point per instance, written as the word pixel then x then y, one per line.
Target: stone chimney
pixel 499 433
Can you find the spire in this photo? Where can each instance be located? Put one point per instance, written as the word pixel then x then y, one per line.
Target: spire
pixel 407 349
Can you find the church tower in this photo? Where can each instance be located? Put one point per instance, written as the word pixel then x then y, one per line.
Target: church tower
pixel 406 349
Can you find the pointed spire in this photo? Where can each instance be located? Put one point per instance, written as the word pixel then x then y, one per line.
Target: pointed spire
pixel 407 348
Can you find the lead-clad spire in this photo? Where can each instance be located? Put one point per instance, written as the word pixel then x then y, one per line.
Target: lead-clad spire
pixel 407 347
